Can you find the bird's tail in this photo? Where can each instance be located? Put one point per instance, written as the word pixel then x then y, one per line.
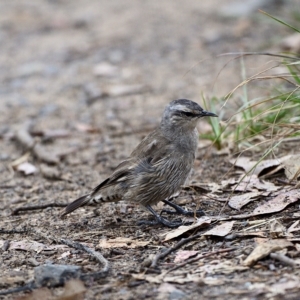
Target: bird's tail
pixel 76 204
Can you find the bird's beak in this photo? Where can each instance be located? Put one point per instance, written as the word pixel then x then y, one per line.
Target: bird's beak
pixel 208 114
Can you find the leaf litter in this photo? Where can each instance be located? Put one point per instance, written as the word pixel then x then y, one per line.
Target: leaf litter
pixel 53 139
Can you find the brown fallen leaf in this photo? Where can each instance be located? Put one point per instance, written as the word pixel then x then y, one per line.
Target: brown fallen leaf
pixel 247 233
pixel 74 289
pixel 238 201
pixel 277 229
pixel 264 167
pixel 150 278
pixel 292 166
pixel 201 222
pixel 278 203
pixel 220 267
pixel 264 249
pixel 294 227
pixel 121 242
pixel 184 254
pixel 221 230
pixel 253 183
pixel 28 245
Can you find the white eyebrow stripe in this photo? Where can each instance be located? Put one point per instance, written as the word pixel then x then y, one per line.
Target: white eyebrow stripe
pixel 180 107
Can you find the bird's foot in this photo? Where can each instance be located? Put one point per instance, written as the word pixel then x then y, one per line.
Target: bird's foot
pixel 158 221
pixel 181 211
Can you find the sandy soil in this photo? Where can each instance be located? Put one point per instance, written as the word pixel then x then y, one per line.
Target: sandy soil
pixel 88 80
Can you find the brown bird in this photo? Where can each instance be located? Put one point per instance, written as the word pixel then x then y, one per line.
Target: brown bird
pixel 157 167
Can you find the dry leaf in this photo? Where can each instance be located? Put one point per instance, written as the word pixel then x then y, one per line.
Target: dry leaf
pixel 221 230
pixel 264 249
pixel 264 167
pixel 122 242
pixel 32 246
pixel 277 230
pixel 238 201
pixel 27 246
pixel 220 267
pixel 184 254
pixel 293 227
pixel 250 183
pixel 150 278
pixel 203 221
pixel 278 203
pixel 261 234
pixel 27 168
pixel 292 166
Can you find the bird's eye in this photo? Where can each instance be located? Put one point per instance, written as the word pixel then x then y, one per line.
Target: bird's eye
pixel 188 114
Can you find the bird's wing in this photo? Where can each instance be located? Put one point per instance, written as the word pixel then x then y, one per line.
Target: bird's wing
pixel 150 148
pixel 146 155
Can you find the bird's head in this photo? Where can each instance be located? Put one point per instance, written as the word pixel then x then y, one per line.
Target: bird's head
pixel 183 114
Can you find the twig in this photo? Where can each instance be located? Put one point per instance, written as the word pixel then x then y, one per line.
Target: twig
pixel 99 257
pixel 170 250
pixel 284 259
pixel 35 207
pixel 12 231
pixel 28 287
pixel 189 261
pixel 7 186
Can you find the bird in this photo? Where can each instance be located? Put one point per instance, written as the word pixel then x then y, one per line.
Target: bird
pixel 157 168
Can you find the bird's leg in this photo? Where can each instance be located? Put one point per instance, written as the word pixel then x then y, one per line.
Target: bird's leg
pixel 180 210
pixel 159 220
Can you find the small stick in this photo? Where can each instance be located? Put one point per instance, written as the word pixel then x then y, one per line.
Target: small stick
pixel 12 231
pixel 170 250
pixel 201 256
pixel 35 207
pixel 284 259
pixel 99 257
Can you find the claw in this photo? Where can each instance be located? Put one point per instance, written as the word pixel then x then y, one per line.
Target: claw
pixel 159 220
pixel 181 211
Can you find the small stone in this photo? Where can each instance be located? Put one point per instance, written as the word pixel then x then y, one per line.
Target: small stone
pixel 177 294
pixel 54 275
pixel 33 262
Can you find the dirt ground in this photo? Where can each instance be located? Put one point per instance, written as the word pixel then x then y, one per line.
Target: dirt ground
pixel 84 81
